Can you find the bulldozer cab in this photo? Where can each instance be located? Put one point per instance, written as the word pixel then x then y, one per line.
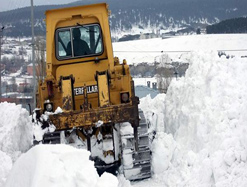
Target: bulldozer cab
pixel 78 42
pixel 80 32
pixel 78 46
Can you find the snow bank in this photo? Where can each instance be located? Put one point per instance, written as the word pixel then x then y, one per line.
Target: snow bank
pixel 15 136
pixel 15 129
pixel 57 165
pixel 204 141
pixel 206 113
pixel 5 167
pixel 122 182
pixel 154 111
pixel 163 146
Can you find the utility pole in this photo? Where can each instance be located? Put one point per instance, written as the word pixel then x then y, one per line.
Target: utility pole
pixel 33 60
pixel 1 35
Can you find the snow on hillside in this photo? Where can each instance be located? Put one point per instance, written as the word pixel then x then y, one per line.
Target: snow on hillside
pixel 150 50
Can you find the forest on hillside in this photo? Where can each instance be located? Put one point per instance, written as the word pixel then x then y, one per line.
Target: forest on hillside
pixel 235 25
pixel 158 14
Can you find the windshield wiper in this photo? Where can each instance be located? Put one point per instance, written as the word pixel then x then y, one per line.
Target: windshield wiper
pixel 88 30
pixel 82 26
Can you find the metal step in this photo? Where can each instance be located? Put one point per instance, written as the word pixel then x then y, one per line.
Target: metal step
pixel 142 156
pixel 51 138
pixel 138 172
pixel 142 117
pixel 142 129
pixel 128 142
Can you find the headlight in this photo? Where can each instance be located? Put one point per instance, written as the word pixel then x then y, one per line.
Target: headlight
pixel 48 107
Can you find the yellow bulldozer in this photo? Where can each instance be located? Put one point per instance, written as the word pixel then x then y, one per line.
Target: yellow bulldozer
pixel 94 92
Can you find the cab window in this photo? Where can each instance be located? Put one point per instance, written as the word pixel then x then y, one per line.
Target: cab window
pixel 80 41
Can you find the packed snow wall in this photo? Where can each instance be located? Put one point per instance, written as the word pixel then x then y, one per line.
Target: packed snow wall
pixel 203 141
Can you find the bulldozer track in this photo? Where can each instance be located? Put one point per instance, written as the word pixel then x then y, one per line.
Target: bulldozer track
pixel 136 164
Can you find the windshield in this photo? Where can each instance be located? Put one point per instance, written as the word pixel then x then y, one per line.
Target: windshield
pixel 79 41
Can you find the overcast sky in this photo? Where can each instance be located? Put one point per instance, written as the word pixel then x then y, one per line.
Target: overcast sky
pixel 13 4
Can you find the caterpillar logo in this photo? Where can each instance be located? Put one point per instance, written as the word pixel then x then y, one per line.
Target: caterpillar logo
pixel 90 89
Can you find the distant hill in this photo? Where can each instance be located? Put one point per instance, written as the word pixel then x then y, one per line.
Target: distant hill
pixel 126 14
pixel 235 25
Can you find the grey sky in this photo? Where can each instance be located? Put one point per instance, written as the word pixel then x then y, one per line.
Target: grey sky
pixel 13 4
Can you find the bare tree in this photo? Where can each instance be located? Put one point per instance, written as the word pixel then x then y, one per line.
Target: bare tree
pixel 164 73
pixel 164 77
pixel 40 57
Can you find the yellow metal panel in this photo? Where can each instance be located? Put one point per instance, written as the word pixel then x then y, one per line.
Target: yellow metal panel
pixel 67 94
pixel 103 90
pixel 82 72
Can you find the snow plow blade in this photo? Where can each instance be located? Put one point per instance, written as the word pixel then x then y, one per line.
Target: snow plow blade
pixel 116 114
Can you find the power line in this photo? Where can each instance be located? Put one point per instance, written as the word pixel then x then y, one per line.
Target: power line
pixel 151 51
pixel 175 51
pixel 233 50
pixel 11 7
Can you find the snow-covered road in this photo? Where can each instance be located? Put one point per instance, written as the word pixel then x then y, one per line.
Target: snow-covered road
pixel 151 50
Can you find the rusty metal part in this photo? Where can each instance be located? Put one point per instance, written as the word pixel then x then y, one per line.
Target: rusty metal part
pixel 109 152
pixel 67 103
pixel 68 92
pixel 89 143
pixel 136 113
pixel 81 135
pixel 116 114
pixel 85 104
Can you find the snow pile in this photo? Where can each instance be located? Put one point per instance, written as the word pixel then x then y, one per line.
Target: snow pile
pixel 5 167
pixel 15 135
pixel 154 112
pixel 204 141
pixel 57 165
pixel 206 113
pixel 163 146
pixel 122 182
pixel 15 129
